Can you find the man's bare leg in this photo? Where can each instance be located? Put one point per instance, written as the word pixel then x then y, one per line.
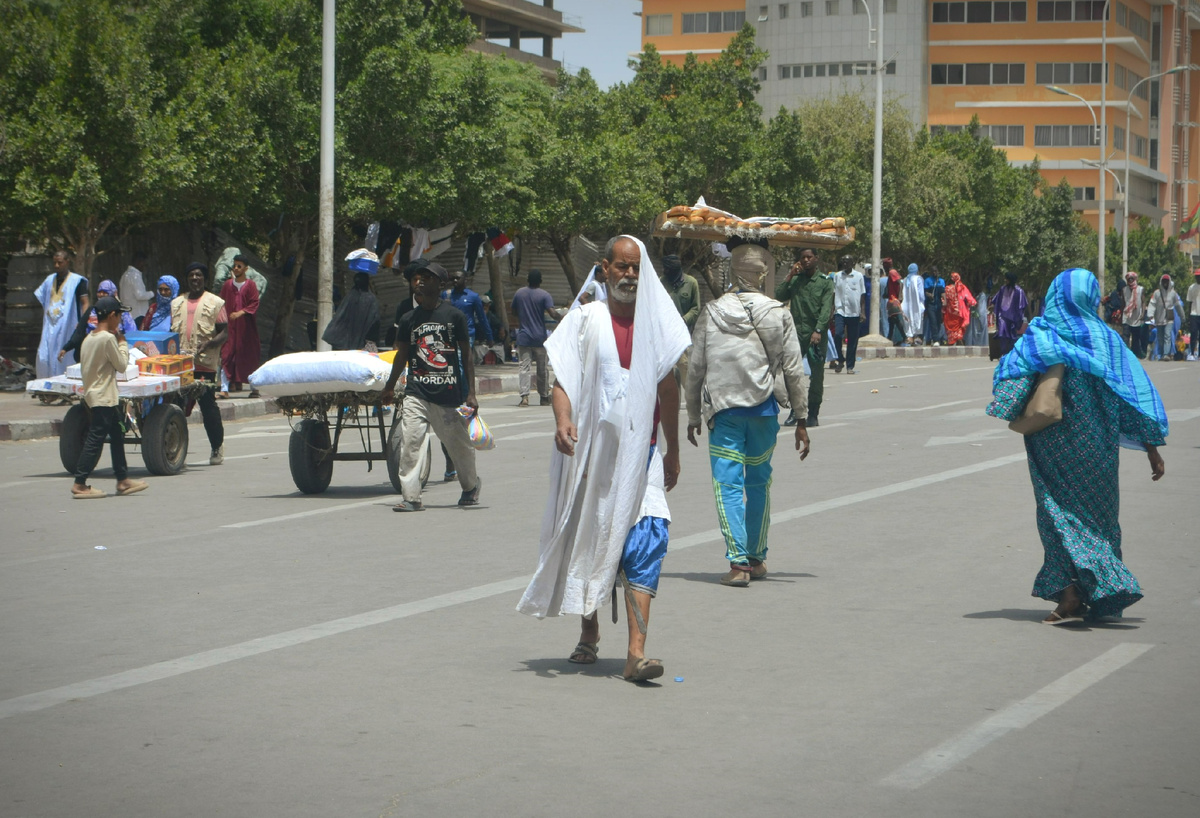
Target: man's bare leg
pixel 637 639
pixel 589 634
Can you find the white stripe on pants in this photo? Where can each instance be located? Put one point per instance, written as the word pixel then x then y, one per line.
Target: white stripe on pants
pixel 419 417
pixel 528 355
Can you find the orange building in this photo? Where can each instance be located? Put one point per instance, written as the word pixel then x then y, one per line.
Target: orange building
pixel 995 60
pixel 701 27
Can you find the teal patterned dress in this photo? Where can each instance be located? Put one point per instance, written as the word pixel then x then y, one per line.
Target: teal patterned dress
pixel 1073 465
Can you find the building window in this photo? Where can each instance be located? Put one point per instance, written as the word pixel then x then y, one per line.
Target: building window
pixel 1139 146
pixel 940 129
pixel 1085 194
pixel 1064 136
pixel 783 11
pixel 889 7
pixel 659 25
pixel 820 69
pixel 1002 73
pixel 1133 21
pixel 1067 73
pixel 808 71
pixel 890 68
pixel 762 74
pixel 713 22
pixel 763 13
pixel 1065 11
pixel 843 69
pixel 975 11
pixel 1118 138
pixel 831 8
pixel 785 72
pixel 1008 136
pixel 806 8
pixel 857 7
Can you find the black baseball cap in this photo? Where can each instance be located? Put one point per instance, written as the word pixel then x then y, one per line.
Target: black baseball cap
pixel 107 305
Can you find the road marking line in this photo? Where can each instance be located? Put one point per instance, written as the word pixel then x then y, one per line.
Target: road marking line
pixel 210 658
pixel 1172 369
pixel 175 667
pixel 1014 717
pixel 1182 415
pixel 238 457
pixel 32 481
pixel 518 423
pixel 526 436
pixel 893 378
pixel 311 513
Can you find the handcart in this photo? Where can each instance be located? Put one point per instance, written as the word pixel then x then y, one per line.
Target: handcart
pixel 153 410
pixel 318 439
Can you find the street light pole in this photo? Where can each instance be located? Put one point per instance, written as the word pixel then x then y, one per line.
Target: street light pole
pixel 1103 136
pixel 1103 165
pixel 1125 187
pixel 874 338
pixel 325 218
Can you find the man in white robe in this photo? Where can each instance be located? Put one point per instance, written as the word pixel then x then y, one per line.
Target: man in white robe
pixel 607 510
pixel 913 305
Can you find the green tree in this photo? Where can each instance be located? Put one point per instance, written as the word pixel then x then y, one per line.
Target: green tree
pixel 116 115
pixel 592 175
pixel 1151 255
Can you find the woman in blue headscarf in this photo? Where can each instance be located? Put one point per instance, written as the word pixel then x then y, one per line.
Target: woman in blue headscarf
pixel 1108 402
pixel 158 316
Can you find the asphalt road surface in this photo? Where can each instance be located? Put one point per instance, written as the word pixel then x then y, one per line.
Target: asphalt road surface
pixel 240 649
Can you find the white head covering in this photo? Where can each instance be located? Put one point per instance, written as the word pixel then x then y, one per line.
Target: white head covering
pixel 753 268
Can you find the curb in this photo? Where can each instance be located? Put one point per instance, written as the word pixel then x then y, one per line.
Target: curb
pixel 231 410
pixel 876 353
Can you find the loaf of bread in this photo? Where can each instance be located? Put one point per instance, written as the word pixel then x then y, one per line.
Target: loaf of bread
pixel 678 210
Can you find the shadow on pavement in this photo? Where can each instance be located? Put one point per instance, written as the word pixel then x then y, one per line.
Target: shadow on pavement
pixel 553 668
pixel 1023 615
pixel 715 578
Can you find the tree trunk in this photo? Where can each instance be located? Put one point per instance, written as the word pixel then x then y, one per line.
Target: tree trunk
pixel 562 252
pixel 497 282
pixel 296 243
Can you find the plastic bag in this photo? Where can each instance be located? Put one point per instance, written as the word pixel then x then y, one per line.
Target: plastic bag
pixel 481 436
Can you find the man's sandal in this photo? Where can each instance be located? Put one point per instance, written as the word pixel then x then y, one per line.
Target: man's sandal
pixel 645 670
pixel 584 653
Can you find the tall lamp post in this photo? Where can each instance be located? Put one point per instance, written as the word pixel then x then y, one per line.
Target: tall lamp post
pixel 1103 165
pixel 873 338
pixel 1125 187
pixel 325 220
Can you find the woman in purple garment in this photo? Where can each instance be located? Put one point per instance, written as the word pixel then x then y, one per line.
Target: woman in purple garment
pixel 1009 305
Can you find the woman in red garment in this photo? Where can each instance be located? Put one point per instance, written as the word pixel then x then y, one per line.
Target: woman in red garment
pixel 956 309
pixel 241 354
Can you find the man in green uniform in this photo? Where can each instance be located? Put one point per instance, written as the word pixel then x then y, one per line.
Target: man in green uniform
pixel 810 296
pixel 685 295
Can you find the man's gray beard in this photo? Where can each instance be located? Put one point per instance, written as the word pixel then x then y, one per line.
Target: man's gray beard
pixel 622 294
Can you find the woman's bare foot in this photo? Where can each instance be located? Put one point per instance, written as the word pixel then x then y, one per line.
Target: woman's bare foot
pixel 1070 608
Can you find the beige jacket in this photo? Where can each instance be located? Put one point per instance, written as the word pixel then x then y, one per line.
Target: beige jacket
pixel 101 358
pixel 204 327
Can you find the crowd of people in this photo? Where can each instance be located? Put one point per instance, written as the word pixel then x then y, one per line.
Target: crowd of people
pixel 738 360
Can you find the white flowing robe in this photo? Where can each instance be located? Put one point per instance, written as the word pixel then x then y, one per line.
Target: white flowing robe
pixel 59 318
pixel 601 492
pixel 913 305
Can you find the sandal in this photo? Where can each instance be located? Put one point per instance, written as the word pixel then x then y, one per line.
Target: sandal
pixel 584 653
pixel 645 670
pixel 133 488
pixel 1055 618
pixel 415 505
pixel 90 494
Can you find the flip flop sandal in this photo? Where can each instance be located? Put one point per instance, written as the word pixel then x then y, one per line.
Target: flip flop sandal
pixel 586 653
pixel 1055 618
pixel 137 485
pixel 415 505
pixel 645 670
pixel 90 494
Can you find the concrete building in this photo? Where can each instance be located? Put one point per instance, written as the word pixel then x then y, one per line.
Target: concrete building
pixel 950 60
pixel 504 24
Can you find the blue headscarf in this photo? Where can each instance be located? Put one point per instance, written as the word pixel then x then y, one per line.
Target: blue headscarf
pixel 161 320
pixel 1071 332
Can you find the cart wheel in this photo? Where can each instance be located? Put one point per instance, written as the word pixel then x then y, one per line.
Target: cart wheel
pixel 308 451
pixel 394 443
pixel 165 439
pixel 72 435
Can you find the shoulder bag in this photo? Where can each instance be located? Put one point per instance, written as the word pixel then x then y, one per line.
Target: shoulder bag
pixel 1044 407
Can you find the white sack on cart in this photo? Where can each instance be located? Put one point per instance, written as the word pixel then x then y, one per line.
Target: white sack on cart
pixel 301 373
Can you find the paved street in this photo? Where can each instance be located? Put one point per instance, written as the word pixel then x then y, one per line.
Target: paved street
pixel 241 649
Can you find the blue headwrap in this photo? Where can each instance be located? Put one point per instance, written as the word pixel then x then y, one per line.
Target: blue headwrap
pixel 1071 332
pixel 161 320
pixel 912 268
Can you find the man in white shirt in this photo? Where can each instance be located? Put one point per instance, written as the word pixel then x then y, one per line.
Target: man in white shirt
pixel 131 289
pixel 1163 305
pixel 1193 305
pixel 849 304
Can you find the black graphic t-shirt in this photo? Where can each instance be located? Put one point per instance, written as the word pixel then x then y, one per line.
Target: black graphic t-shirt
pixel 433 335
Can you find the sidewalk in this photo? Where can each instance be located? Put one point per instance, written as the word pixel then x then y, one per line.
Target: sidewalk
pixel 874 353
pixel 24 418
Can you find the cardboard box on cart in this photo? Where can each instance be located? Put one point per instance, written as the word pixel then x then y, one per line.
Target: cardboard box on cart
pixel 154 343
